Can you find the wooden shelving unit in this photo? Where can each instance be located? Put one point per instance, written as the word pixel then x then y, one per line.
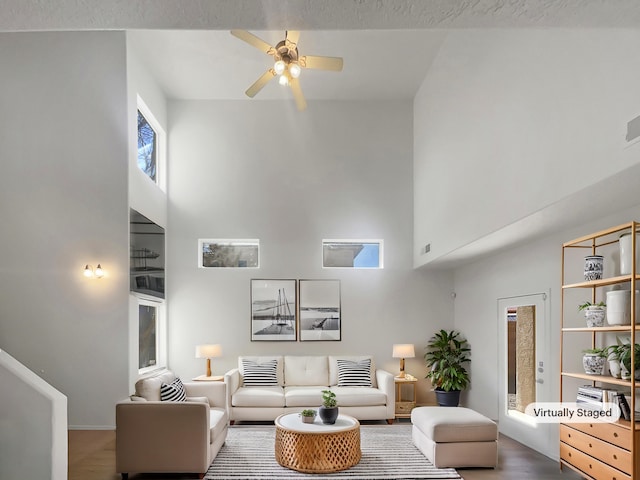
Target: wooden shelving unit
pixel 600 450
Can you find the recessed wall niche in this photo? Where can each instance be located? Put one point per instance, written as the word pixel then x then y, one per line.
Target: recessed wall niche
pixel 146 256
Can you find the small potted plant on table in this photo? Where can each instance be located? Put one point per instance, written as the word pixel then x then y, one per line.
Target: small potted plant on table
pixel 329 410
pixel 308 415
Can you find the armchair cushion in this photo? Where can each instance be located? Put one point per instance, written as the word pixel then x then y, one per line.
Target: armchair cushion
pixel 173 392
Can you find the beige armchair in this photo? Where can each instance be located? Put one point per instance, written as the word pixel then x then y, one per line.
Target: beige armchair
pixel 153 436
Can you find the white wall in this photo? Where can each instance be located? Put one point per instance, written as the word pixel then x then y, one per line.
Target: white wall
pixel 257 169
pixel 63 204
pixel 145 196
pixel 33 424
pixel 508 122
pixel 529 269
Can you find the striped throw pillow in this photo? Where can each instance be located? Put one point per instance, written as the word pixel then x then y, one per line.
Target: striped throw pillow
pixel 173 392
pixel 260 374
pixel 354 374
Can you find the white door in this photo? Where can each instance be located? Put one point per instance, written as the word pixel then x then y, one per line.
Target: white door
pixel 524 373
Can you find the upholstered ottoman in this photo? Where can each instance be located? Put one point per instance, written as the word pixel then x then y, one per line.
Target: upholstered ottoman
pixel 455 437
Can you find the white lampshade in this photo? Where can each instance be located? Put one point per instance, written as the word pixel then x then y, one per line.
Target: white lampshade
pixel 208 351
pixel 403 350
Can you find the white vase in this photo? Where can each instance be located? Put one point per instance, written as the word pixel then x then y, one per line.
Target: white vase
pixel 614 368
pixel 619 307
pixel 624 243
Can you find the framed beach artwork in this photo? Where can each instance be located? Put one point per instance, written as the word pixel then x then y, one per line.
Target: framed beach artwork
pixel 273 310
pixel 320 316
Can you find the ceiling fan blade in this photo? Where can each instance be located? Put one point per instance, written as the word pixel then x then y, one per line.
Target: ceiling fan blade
pixel 260 83
pixel 321 63
pixel 297 94
pixel 254 41
pixel 292 37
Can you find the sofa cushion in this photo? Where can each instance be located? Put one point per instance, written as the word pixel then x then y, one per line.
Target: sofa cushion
pixel 149 387
pixel 258 397
pixel 259 360
pixel 306 370
pixel 354 374
pixel 218 420
pixel 259 374
pixel 173 392
pixel 307 396
pixel 359 396
pixel 333 367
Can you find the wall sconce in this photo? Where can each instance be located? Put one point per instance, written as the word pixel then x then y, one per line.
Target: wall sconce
pixel 89 272
pixel 402 351
pixel 208 352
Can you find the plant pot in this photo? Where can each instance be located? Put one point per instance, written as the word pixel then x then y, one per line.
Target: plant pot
pixel 593 364
pixel 625 374
pixel 595 316
pixel 328 415
pixel 619 307
pixel 615 368
pixel 308 419
pixel 448 399
pixel 593 266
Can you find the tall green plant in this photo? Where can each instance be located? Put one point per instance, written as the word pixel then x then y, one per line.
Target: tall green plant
pixel 447 352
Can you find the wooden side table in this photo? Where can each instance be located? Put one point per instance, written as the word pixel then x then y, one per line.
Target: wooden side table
pixel 404 406
pixel 204 378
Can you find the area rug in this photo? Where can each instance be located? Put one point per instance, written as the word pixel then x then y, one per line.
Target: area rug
pixel 387 454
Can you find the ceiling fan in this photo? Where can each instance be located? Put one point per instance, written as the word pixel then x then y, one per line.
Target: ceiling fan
pixel 288 64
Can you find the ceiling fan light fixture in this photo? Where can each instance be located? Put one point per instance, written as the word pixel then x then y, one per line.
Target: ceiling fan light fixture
pixel 294 70
pixel 284 80
pixel 279 67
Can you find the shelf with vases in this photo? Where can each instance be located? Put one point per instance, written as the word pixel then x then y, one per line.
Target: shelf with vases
pixel 607 328
pixel 601 283
pixel 601 378
pixel 590 447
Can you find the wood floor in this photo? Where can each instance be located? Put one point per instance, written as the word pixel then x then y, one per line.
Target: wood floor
pixel 92 457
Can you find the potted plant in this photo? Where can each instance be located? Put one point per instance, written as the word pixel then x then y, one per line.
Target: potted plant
pixel 308 415
pixel 624 354
pixel 593 361
pixel 594 313
pixel 612 355
pixel 447 353
pixel 329 410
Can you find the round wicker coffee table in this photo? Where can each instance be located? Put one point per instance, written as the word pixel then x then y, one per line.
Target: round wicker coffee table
pixel 315 447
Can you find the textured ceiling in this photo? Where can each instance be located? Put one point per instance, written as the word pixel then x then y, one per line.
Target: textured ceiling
pixel 314 14
pixel 387 45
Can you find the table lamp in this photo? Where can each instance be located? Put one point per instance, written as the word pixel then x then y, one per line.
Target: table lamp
pixel 208 352
pixel 402 351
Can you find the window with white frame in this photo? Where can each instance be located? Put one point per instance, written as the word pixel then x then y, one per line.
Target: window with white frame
pixel 352 253
pixel 151 335
pixel 229 253
pixel 151 145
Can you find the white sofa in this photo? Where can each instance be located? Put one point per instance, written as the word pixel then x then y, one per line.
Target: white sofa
pixel 154 436
pixel 300 381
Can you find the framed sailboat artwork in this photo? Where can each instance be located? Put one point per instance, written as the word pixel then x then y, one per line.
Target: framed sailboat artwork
pixel 274 310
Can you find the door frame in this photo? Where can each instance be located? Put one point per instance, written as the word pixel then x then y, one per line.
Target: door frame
pixel 519 426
